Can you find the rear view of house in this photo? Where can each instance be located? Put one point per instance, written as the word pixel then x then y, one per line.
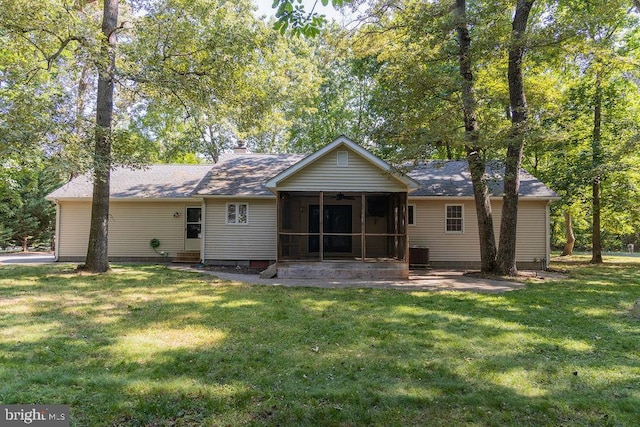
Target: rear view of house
pixel 340 211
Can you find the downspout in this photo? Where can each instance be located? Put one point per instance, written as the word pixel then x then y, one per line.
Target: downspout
pixel 278 219
pixel 203 228
pixel 363 226
pixel 321 242
pixel 56 250
pixel 547 231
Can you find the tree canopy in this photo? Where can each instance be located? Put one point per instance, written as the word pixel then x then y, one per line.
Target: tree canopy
pixel 192 79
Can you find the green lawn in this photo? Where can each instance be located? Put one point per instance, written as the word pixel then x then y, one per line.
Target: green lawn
pixel 145 345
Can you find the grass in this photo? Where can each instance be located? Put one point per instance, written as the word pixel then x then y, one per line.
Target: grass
pixel 617 258
pixel 147 346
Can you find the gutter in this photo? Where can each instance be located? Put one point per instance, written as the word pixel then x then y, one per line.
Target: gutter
pixel 498 198
pixel 56 250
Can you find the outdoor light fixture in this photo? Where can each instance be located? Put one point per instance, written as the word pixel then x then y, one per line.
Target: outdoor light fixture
pixel 176 215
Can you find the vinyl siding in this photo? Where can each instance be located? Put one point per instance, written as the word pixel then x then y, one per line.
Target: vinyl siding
pixel 253 241
pixel 429 230
pixel 131 226
pixel 325 175
pixel 532 233
pixel 73 233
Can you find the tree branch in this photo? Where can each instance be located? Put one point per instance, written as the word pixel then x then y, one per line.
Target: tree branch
pixel 63 45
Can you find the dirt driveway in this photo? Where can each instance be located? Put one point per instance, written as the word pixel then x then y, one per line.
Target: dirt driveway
pixel 27 258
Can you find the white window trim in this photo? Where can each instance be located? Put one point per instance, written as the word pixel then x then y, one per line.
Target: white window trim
pixel 342 159
pixel 411 224
pixel 226 213
pixel 446 218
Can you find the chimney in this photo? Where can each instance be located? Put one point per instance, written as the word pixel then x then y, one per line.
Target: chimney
pixel 241 148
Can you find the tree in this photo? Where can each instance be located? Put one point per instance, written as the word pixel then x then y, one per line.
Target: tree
pixel 596 158
pixel 97 260
pixel 190 72
pixel 34 98
pixel 506 257
pixel 340 105
pixel 206 75
pixel 596 87
pixel 569 234
pixel 5 236
pixel 26 218
pixel 475 158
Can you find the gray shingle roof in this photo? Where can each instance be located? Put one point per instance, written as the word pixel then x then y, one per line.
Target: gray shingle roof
pixel 452 178
pixel 155 181
pixel 246 175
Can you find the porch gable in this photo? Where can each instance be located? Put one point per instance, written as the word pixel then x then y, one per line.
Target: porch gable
pixel 341 166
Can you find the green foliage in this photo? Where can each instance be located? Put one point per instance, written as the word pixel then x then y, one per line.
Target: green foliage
pixel 26 218
pixel 196 77
pixel 212 75
pixel 5 236
pixel 600 52
pixel 292 16
pixel 416 105
pixel 44 48
pixel 340 105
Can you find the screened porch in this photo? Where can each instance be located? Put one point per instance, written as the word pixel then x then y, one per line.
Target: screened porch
pixel 342 226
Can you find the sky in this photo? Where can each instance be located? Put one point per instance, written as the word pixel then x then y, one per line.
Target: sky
pixel 264 8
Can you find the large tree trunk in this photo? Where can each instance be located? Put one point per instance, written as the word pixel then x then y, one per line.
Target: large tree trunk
pixel 97 251
pixel 519 113
pixel 474 153
pixel 596 148
pixel 569 235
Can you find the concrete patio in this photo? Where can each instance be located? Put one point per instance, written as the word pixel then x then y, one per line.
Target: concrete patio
pixel 419 280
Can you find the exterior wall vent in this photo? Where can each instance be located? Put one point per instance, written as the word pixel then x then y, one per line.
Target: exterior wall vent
pixel 343 158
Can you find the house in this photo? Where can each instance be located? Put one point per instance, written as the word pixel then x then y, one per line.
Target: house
pixel 339 212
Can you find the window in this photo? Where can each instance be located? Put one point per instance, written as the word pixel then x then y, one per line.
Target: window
pixel 412 214
pixel 194 223
pixel 237 213
pixel 343 158
pixel 454 222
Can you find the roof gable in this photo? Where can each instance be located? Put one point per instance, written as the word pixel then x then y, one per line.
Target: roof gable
pixel 341 142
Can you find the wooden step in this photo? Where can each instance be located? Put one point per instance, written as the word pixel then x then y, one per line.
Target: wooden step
pixel 187 257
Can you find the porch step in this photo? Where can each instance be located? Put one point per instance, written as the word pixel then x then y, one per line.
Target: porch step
pixel 187 257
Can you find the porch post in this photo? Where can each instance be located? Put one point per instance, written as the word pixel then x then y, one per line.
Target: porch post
pixel 321 215
pixel 278 217
pixel 406 227
pixel 363 240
